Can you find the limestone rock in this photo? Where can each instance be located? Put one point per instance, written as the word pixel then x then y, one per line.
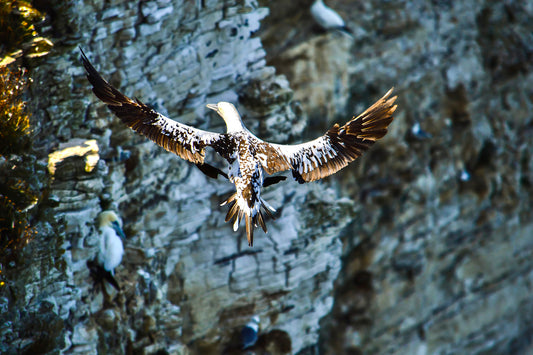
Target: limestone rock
pixel 422 246
pixel 187 280
pixel 432 255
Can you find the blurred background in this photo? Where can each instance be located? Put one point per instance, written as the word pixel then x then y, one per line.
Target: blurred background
pixel 422 246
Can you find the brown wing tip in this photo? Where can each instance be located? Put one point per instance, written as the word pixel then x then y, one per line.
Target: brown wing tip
pixel 388 101
pixel 89 68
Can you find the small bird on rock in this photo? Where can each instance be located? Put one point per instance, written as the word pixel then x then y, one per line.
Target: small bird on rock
pixel 418 133
pixel 327 18
pixel 110 247
pixel 249 333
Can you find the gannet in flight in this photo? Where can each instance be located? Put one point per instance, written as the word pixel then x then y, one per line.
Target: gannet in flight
pixel 327 18
pixel 249 157
pixel 110 247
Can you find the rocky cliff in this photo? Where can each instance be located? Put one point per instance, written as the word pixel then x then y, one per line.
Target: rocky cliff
pixel 422 246
pixel 438 257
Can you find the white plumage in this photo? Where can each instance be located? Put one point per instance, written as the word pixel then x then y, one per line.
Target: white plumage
pixel 249 158
pixel 111 248
pixel 249 333
pixel 327 18
pixel 418 132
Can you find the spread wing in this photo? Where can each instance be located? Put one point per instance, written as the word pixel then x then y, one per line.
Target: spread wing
pixel 185 141
pixel 333 151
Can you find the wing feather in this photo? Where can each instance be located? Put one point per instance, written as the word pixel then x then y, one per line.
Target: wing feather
pixel 185 141
pixel 333 151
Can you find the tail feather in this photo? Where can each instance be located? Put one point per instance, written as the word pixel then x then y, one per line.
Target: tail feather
pixel 249 230
pixel 108 276
pixel 99 275
pixel 266 205
pixel 236 223
pixel 232 210
pixel 229 199
pixel 261 221
pixel 346 30
pixel 235 214
pixel 268 209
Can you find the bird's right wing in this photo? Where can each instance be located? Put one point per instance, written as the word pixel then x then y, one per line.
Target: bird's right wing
pixel 185 141
pixel 334 150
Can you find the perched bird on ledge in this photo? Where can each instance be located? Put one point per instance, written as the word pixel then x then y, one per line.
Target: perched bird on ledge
pixel 327 18
pixel 249 333
pixel 110 248
pixel 249 157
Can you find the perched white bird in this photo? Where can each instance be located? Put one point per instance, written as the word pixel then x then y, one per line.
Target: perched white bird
pixel 110 248
pixel 249 333
pixel 111 235
pixel 249 157
pixel 327 18
pixel 418 132
pixel 464 175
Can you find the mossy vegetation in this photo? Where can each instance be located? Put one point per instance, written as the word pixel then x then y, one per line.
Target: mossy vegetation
pixel 14 120
pixel 22 179
pixel 18 189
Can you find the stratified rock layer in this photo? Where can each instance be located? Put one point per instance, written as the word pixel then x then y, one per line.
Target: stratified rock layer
pixel 188 282
pixel 432 233
pixel 438 259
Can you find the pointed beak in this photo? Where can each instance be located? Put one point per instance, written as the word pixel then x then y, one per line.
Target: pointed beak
pixel 119 230
pixel 213 107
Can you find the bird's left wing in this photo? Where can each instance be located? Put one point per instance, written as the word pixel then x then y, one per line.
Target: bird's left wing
pixel 185 141
pixel 333 151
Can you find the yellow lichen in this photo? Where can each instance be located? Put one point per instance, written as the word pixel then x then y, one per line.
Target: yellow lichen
pixel 88 149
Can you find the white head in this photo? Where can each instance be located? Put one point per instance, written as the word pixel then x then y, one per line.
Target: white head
pixel 230 115
pixel 254 323
pixel 111 220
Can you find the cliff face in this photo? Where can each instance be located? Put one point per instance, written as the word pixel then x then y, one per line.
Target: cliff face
pixel 188 281
pixel 438 257
pixel 427 239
